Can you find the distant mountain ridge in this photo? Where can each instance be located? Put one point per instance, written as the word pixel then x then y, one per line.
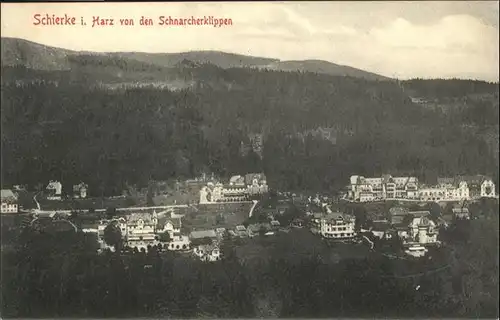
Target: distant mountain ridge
pixel 19 52
pixel 322 66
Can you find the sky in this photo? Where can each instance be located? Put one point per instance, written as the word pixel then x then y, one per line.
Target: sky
pixel 396 39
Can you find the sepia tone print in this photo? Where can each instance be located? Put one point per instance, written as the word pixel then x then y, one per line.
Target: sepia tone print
pixel 250 160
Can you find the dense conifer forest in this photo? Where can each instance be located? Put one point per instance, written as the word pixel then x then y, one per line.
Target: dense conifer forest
pixel 73 131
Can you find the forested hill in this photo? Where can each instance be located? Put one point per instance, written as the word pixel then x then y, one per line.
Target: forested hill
pixel 450 88
pixel 114 120
pixel 110 138
pixel 18 52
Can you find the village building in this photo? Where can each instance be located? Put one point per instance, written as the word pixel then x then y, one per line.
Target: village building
pixel 140 230
pixel 275 224
pixel 315 221
pixel 9 201
pixel 206 235
pixel 256 183
pixel 173 226
pixel 418 100
pixel 415 228
pixel 54 190
pixel 208 252
pixel 422 229
pixel 461 213
pixel 253 229
pixel 241 231
pixel 479 186
pixel 238 189
pixel 179 243
pixel 460 188
pixel 205 244
pixel 337 225
pixel 397 214
pixel 363 189
pixel 220 231
pixel 80 191
pixel 170 225
pixel 214 193
pixel 446 190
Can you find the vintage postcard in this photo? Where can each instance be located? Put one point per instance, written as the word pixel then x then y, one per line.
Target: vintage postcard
pixel 250 159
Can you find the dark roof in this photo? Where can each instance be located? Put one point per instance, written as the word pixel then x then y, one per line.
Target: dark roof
pixel 401 219
pixel 398 211
pixel 418 214
pixel 254 227
pixel 318 215
pixel 474 179
pixel 241 233
pixel 202 234
pixel 176 222
pixel 334 215
pixel 471 180
pixel 446 180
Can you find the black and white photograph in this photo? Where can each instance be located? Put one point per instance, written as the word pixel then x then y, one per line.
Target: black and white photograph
pixel 213 160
